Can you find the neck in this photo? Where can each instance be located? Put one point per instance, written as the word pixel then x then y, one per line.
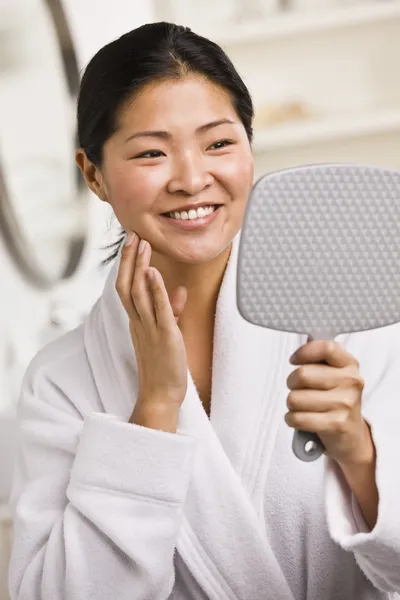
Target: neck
pixel 202 282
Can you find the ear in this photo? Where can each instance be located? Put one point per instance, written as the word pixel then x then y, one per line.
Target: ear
pixel 92 175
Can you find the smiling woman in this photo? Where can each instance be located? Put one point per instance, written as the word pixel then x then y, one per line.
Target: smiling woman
pixel 169 132
pixel 170 152
pixel 170 159
pixel 155 462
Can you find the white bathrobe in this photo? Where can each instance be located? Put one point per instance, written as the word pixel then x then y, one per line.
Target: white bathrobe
pixel 222 509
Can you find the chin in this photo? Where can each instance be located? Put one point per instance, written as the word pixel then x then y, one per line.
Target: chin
pixel 200 251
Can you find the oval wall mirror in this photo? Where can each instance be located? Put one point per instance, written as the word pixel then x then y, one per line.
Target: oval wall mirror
pixel 43 200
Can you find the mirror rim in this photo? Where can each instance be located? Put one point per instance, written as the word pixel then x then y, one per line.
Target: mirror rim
pixel 16 243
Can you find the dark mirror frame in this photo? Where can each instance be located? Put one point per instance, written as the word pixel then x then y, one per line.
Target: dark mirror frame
pixel 18 247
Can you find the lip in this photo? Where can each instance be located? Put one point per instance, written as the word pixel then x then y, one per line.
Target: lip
pixel 188 207
pixel 200 223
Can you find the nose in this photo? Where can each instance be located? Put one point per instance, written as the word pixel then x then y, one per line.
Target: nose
pixel 190 176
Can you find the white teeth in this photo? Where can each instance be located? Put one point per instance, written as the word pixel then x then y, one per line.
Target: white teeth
pixel 203 211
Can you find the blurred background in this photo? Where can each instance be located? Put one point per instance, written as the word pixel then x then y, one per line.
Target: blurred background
pixel 324 79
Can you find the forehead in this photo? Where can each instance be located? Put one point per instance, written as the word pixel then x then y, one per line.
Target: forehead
pixel 192 100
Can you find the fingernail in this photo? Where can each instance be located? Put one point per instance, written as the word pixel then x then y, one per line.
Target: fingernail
pixel 142 246
pixel 130 238
pixel 292 358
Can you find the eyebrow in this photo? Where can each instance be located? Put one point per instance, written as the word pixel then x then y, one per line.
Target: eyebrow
pixel 167 135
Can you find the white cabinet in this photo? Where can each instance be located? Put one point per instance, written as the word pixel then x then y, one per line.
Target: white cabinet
pixel 338 66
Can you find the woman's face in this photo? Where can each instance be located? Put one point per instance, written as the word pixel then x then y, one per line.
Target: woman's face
pixel 179 143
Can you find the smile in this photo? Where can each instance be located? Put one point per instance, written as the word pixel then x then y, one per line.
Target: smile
pixel 193 219
pixel 192 214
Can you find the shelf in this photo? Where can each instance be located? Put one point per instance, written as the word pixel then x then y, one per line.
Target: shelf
pixel 310 131
pixel 301 23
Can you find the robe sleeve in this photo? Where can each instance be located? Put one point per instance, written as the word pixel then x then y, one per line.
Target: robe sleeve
pixel 96 502
pixel 378 551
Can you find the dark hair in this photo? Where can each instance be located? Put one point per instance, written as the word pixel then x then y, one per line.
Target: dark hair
pixel 153 52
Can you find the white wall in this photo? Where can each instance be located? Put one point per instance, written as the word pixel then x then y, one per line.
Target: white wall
pixel 97 22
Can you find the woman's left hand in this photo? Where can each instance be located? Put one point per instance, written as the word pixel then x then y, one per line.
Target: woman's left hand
pixel 326 399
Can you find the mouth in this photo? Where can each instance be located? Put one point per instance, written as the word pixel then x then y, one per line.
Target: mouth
pixel 192 218
pixel 191 211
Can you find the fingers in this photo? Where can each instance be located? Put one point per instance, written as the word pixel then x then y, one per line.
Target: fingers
pixel 324 377
pixel 318 377
pixel 141 290
pixel 328 351
pixel 132 284
pixel 315 401
pixel 163 310
pixel 321 423
pixel 125 275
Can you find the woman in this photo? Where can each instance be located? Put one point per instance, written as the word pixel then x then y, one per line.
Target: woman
pixel 155 456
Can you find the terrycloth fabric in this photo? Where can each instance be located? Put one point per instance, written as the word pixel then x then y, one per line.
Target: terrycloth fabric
pixel 221 510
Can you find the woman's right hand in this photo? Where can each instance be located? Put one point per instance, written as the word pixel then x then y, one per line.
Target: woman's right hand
pixel 158 342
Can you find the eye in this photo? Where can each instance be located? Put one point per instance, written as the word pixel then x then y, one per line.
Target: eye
pixel 150 154
pixel 220 144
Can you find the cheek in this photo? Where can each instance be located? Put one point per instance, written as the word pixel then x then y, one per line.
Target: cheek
pixel 134 190
pixel 238 174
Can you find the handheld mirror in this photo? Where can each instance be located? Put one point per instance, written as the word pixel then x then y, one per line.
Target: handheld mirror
pixel 319 254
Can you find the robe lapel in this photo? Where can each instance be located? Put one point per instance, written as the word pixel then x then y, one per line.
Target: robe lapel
pixel 250 368
pixel 222 540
